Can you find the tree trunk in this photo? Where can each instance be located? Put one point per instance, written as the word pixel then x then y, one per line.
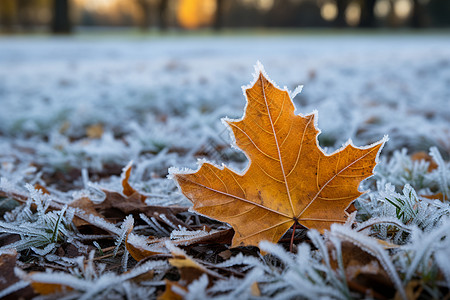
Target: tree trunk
pixel 392 19
pixel 162 14
pixel 7 15
pixel 61 17
pixel 367 19
pixel 418 19
pixel 144 22
pixel 24 15
pixel 340 20
pixel 218 21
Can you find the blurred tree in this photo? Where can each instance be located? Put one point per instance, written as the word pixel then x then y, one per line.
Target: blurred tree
pixel 144 10
pixel 243 14
pixel 218 20
pixel 7 15
pixel 25 12
pixel 281 14
pixel 287 13
pixel 61 23
pixel 392 18
pixel 340 20
pixel 163 14
pixel 419 18
pixel 367 18
pixel 440 12
pixel 307 14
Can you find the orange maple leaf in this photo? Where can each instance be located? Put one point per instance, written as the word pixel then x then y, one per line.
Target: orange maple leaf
pixel 289 178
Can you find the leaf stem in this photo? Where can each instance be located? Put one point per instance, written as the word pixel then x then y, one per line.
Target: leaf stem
pixel 292 237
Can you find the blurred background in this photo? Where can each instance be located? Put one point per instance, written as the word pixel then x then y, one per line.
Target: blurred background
pixel 67 16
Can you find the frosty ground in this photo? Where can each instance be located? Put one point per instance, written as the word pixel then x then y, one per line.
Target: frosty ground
pixel 75 111
pixel 153 95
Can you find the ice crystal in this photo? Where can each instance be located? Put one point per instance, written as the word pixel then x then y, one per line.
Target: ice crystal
pixel 173 119
pixel 407 208
pixel 99 285
pixel 41 231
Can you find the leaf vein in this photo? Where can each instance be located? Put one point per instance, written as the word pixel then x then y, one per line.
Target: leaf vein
pixel 332 178
pixel 235 197
pixel 262 152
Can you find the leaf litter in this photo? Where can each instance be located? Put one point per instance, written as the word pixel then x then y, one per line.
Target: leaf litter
pixel 134 235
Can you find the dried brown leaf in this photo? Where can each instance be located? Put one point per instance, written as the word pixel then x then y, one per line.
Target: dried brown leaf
pixel 95 131
pixel 128 190
pixel 289 178
pixel 363 271
pixel 169 294
pixel 7 277
pixel 43 288
pixel 140 249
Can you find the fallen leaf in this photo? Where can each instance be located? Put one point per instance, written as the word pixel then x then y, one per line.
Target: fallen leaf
pixel 363 272
pixel 386 244
pixel 191 270
pixel 147 276
pixel 88 206
pixel 413 290
pixel 138 248
pixel 421 155
pixel 44 190
pixel 128 190
pixel 141 248
pixel 438 196
pixel 43 288
pixel 289 178
pixel 94 131
pixel 169 293
pixel 255 289
pixel 226 254
pixel 117 206
pixel 8 260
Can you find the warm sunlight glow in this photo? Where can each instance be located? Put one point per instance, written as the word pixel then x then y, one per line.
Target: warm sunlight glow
pixel 195 13
pixel 352 14
pixel 96 4
pixel 265 4
pixel 328 11
pixel 403 8
pixel 382 8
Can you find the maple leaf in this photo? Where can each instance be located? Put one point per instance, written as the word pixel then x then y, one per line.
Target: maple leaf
pixel 289 178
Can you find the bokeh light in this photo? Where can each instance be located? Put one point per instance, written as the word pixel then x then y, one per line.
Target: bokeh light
pixel 353 14
pixel 402 8
pixel 196 13
pixel 382 8
pixel 328 11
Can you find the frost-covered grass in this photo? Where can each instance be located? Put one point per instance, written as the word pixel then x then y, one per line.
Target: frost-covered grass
pixel 158 94
pixel 75 111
